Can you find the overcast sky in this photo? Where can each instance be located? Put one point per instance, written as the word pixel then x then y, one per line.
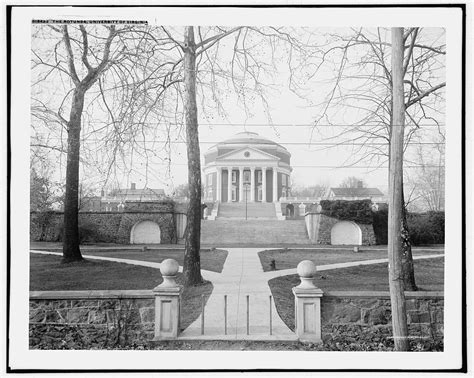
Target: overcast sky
pixel 290 121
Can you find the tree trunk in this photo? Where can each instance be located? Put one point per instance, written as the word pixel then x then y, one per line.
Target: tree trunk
pixel 71 251
pixel 192 261
pixel 395 213
pixel 408 269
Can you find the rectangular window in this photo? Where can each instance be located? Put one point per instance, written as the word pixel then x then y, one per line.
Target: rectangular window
pixel 234 194
pixel 259 177
pixel 234 177
pixel 259 194
pixel 284 180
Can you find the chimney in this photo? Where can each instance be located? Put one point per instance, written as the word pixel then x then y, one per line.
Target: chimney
pixel 134 186
pixel 360 184
pixel 102 193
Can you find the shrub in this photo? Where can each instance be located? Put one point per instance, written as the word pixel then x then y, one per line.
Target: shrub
pixel 426 228
pixel 380 224
pixel 356 211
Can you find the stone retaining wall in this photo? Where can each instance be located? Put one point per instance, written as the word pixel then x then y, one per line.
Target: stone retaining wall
pixel 104 227
pixel 319 228
pixel 95 319
pixel 104 319
pixel 327 223
pixel 425 312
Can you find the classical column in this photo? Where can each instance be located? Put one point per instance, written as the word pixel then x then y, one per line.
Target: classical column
pixel 219 184
pixel 252 184
pixel 275 185
pixel 241 184
pixel 264 184
pixel 229 184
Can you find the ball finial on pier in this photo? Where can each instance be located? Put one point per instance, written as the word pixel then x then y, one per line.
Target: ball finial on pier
pixel 169 269
pixel 306 270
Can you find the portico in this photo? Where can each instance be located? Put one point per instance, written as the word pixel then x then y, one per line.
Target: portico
pixel 247 168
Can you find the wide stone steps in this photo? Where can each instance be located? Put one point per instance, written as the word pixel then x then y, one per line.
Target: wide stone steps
pixel 254 210
pixel 253 232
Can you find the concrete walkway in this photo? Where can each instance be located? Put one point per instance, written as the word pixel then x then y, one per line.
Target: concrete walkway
pixel 242 276
pixel 287 272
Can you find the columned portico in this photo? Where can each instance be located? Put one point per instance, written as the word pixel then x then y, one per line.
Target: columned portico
pixel 246 159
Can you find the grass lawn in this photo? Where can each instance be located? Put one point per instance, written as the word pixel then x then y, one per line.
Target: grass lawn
pixel 212 260
pixel 429 275
pixel 47 273
pixel 289 258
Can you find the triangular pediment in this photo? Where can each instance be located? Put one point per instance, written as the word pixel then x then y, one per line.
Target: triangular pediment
pixel 247 153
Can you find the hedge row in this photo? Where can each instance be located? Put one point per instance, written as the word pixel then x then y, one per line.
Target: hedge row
pixel 356 211
pixel 424 228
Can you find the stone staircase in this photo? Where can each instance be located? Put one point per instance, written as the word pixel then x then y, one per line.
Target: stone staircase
pixel 255 210
pixel 240 232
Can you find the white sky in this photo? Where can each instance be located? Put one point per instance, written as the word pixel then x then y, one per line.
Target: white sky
pixel 292 126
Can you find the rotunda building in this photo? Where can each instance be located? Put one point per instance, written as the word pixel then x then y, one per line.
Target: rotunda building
pixel 246 167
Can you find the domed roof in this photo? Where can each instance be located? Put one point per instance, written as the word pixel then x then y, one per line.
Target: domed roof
pixel 247 137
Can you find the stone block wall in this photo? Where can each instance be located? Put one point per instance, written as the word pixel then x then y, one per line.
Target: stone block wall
pixel 425 312
pixel 319 228
pixel 105 227
pixel 91 320
pixel 327 223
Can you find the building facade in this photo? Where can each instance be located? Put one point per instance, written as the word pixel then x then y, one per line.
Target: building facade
pixel 359 193
pixel 118 199
pixel 246 167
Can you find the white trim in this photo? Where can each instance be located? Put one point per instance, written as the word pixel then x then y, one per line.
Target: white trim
pixel 236 151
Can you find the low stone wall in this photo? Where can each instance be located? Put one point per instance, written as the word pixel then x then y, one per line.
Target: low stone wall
pixel 319 228
pixel 105 227
pixel 91 320
pixel 109 319
pixel 372 310
pixel 327 223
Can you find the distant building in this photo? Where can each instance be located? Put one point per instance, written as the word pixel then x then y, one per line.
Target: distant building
pixel 246 167
pixel 359 193
pixel 117 199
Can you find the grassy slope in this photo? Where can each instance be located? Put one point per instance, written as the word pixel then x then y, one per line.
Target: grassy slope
pixel 289 258
pixel 429 275
pixel 47 273
pixel 212 260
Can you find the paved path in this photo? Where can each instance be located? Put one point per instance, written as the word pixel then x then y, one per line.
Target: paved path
pixel 287 272
pixel 242 276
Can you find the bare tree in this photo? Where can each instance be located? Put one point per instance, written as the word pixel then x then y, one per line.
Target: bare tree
pixel 205 71
pixel 319 190
pixel 363 87
pixel 395 208
pixel 427 181
pixel 112 79
pixel 353 182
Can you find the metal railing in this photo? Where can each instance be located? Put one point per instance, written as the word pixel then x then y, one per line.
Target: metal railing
pixel 225 313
